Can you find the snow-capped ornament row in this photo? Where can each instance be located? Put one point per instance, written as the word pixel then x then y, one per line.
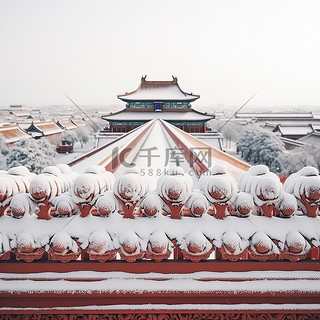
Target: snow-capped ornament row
pixel 127 245
pixel 59 192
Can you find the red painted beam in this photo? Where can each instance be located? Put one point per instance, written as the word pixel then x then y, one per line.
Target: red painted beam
pixel 73 299
pixel 165 267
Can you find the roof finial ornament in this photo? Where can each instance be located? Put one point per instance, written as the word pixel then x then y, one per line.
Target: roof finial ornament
pixel 175 79
pixel 143 78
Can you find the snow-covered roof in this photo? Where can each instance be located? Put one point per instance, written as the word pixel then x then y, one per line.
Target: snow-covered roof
pixel 126 115
pixel 292 143
pixel 13 133
pixel 21 113
pixel 293 130
pixel 79 122
pixel 45 128
pixel 162 146
pixel 288 115
pixel 66 124
pixel 158 91
pixel 316 127
pixel 312 139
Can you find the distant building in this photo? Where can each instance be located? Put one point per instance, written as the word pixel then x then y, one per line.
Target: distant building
pixel 276 117
pixel 158 100
pixel 79 122
pixel 21 114
pixel 16 107
pixel 292 131
pixel 13 133
pixel 66 124
pixel 45 129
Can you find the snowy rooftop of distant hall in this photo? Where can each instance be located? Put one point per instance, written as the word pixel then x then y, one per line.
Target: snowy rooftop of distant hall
pixel 12 133
pixel 293 130
pixel 275 115
pixel 158 91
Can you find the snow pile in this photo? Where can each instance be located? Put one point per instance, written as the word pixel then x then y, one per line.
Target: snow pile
pixel 107 204
pixel 176 186
pixel 262 244
pixel 196 243
pixel 195 246
pixel 84 189
pixel 89 186
pixel 129 242
pixel 41 188
pixel 25 242
pixel 129 189
pixel 233 243
pixel 243 204
pixel 131 246
pixel 197 204
pixel 304 185
pixel 22 204
pixel 15 180
pixel 62 179
pixel 104 178
pixel 131 186
pixel 151 204
pixel 287 205
pixel 62 243
pixel 67 172
pixel 64 205
pixel 296 243
pixel 58 182
pixel 159 242
pixel 266 190
pixel 219 188
pixel 100 242
pixel 174 189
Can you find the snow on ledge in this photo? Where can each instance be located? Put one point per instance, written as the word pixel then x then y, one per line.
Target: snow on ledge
pixel 181 307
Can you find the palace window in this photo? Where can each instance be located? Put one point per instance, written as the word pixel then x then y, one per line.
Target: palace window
pixel 158 106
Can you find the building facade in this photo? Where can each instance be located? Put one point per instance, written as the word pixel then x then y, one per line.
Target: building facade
pixel 158 100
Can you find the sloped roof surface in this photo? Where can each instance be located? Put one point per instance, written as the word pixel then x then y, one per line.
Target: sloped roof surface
pixel 21 113
pixel 67 124
pixel 311 139
pixel 293 130
pixel 308 115
pixel 158 91
pixel 13 133
pixel 79 122
pixel 46 127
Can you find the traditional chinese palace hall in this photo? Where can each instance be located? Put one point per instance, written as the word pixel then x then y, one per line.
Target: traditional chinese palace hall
pixel 158 100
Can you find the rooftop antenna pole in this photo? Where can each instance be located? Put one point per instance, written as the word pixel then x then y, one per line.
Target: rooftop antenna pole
pixel 236 112
pixel 82 111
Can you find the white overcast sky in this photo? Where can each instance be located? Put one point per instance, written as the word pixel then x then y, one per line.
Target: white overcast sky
pixel 223 50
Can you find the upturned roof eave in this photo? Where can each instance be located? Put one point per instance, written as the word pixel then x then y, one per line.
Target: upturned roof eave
pixel 145 84
pixel 121 97
pixel 205 117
